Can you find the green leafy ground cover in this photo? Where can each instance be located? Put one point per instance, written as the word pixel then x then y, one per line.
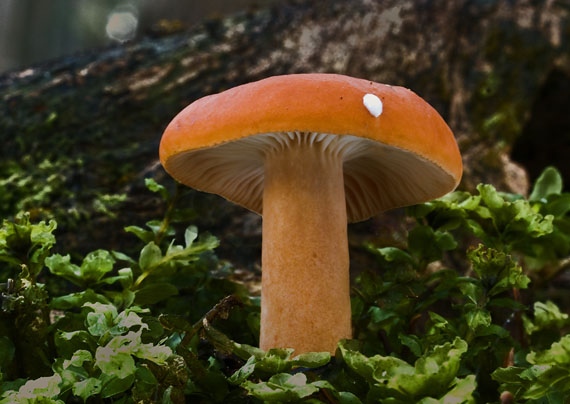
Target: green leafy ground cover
pixel 463 314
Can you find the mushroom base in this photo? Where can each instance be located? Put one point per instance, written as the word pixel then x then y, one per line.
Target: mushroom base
pixel 305 281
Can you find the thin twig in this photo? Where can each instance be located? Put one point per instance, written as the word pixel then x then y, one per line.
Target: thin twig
pixel 221 310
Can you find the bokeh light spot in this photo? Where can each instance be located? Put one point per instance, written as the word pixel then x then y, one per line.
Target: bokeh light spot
pixel 122 25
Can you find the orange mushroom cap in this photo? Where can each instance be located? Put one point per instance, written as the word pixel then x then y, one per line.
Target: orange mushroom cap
pixel 406 155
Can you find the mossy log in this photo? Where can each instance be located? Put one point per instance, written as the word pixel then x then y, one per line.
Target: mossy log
pixel 78 131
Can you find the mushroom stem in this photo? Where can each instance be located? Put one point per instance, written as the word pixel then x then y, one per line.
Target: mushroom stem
pixel 305 281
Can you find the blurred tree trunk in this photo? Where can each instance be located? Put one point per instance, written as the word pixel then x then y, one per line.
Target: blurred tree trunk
pixel 88 126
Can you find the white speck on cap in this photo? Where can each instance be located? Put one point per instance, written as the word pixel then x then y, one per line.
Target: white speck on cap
pixel 372 104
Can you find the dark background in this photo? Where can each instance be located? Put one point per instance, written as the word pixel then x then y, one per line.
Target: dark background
pixel 33 31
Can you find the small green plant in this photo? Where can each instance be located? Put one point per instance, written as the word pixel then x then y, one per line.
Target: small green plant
pixel 460 314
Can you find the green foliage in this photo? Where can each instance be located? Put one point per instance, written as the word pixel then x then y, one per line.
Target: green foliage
pixel 285 388
pixel 27 185
pixel 504 222
pixel 389 377
pixel 26 245
pixel 547 379
pixel 549 183
pixel 447 317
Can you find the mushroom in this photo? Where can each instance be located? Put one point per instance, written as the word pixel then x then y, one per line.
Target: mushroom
pixel 311 152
